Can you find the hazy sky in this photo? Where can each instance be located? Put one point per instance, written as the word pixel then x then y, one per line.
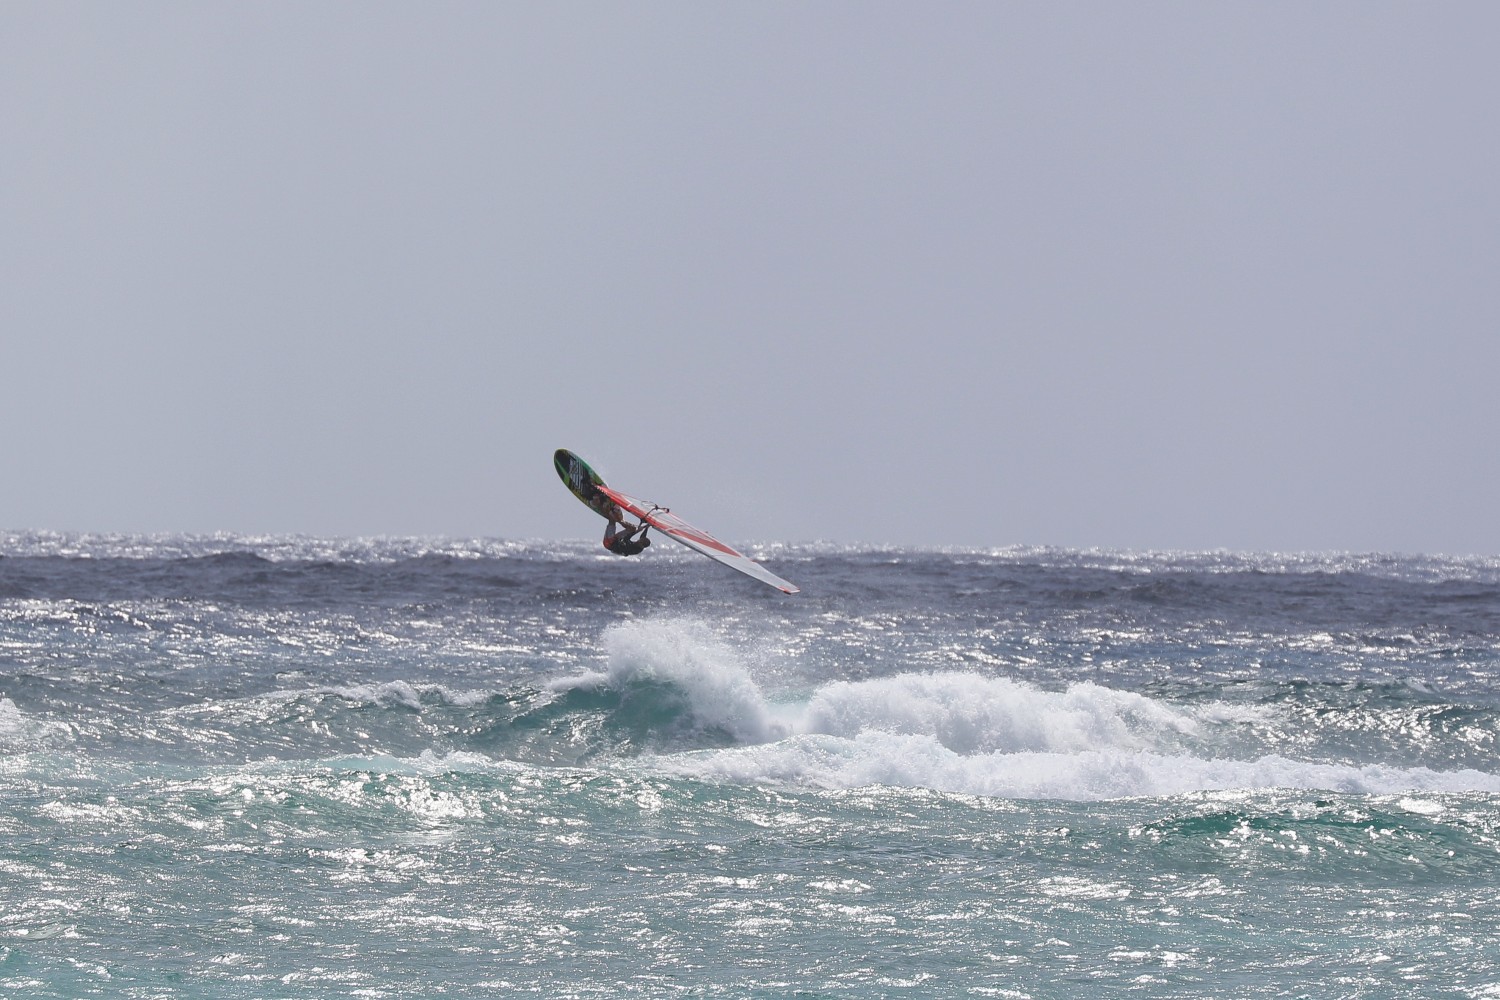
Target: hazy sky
pixel 1165 275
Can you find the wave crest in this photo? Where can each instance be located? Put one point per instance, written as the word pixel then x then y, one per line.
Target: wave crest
pixel 969 713
pixel 951 731
pixel 718 691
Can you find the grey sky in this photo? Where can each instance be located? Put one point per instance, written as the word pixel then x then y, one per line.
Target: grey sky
pixel 1180 275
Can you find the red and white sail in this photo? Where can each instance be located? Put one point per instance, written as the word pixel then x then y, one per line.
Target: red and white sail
pixel 668 523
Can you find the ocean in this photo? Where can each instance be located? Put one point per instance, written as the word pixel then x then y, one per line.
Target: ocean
pixel 264 767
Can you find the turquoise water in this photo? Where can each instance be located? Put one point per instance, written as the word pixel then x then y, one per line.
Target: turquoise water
pixel 289 767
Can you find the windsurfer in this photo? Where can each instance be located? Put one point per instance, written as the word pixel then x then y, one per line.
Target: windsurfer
pixel 620 538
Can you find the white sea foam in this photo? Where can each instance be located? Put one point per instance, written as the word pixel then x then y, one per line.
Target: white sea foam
pixel 970 713
pixel 965 712
pixel 964 732
pixel 719 690
pixel 12 723
pixel 875 758
pixel 19 731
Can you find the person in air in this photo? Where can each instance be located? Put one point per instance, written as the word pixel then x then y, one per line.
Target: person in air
pixel 620 539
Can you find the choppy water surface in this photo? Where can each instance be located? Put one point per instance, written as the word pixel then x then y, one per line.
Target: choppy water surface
pixel 292 767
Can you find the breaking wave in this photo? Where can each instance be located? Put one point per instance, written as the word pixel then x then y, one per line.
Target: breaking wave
pixel 958 732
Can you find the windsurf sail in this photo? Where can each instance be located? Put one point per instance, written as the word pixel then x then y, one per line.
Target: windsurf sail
pixel 669 524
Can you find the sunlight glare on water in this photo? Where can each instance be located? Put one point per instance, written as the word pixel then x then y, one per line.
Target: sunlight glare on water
pixel 287 767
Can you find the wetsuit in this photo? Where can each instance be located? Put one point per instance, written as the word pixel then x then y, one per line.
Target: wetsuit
pixel 622 541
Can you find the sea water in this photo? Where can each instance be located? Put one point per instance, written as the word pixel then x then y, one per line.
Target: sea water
pixel 299 767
